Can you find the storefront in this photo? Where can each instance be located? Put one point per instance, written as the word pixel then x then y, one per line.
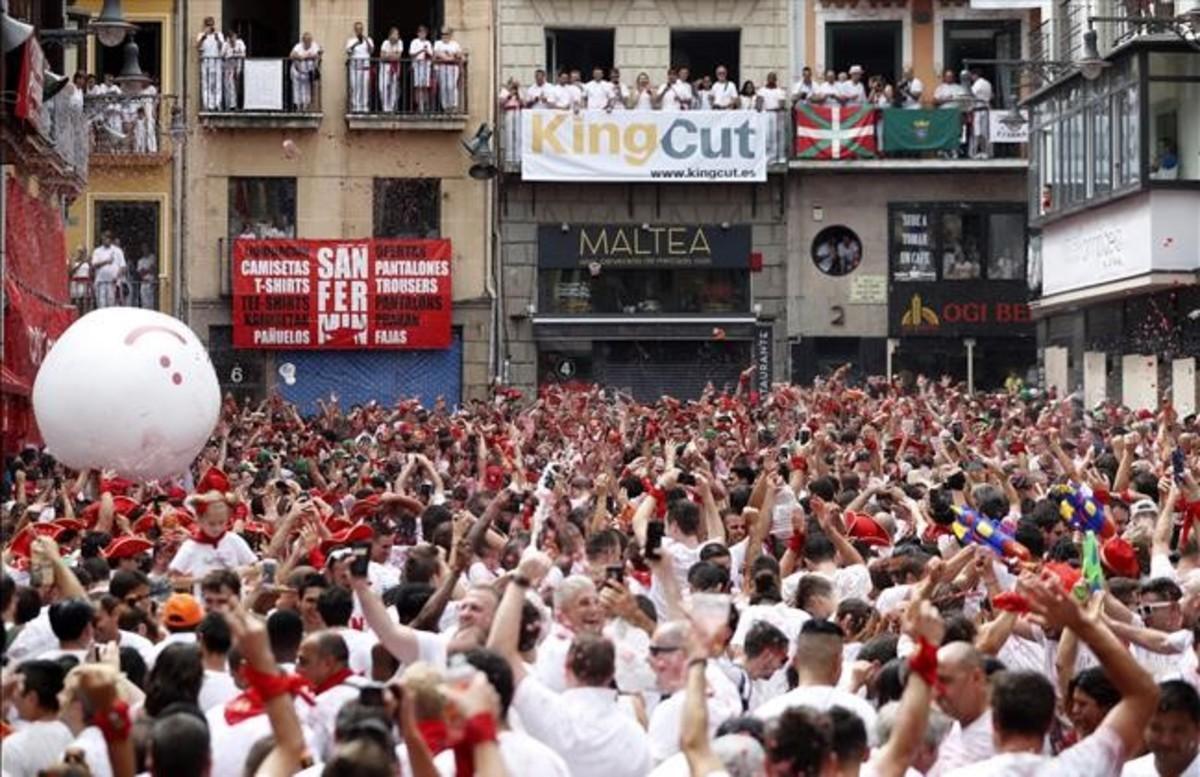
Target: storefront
pixel 958 302
pixel 651 309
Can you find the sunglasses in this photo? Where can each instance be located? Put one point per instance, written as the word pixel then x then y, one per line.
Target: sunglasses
pixel 1145 610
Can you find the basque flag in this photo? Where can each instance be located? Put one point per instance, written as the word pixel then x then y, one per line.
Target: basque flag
pixel 836 132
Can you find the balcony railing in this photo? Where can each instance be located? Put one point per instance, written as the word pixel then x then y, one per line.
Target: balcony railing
pixel 129 129
pixel 404 91
pixel 239 92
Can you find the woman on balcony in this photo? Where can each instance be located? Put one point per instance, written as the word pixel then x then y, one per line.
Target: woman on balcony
pixel 390 53
pixel 305 58
pixel 420 51
pixel 359 50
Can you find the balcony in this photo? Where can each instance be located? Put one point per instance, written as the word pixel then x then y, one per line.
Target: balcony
pixel 129 130
pixel 51 144
pixel 399 94
pixel 260 93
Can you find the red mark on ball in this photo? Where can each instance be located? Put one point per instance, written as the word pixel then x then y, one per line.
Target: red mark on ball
pixel 177 379
pixel 164 361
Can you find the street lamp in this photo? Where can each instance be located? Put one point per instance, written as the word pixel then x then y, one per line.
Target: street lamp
pixel 1091 64
pixel 132 80
pixel 110 27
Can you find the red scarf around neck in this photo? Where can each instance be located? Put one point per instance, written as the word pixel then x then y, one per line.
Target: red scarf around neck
pixel 250 703
pixel 332 681
pixel 199 536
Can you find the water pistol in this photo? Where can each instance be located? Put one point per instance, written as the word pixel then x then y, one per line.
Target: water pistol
pixel 1092 579
pixel 970 526
pixel 1080 509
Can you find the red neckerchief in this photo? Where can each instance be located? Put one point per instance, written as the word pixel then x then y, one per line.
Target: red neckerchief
pixel 334 680
pixel 199 536
pixel 249 703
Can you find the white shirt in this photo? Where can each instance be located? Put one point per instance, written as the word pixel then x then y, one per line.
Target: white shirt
pixel 211 44
pixel 34 639
pixel 390 50
pixel 1144 767
pixel 382 577
pixel 312 52
pixel 851 92
pixel 685 95
pixel 597 95
pixel 176 638
pixel 723 94
pixel 234 49
pixel 787 619
pixel 360 644
pixel 825 90
pixel 621 94
pixel 683 558
pixel 666 720
pixel 821 698
pixel 218 688
pixel 1099 755
pixel 356 49
pixel 1167 666
pixel 448 49
pixel 535 94
pixel 668 98
pixel 981 88
pixel 915 90
pixel 551 665
pixel 802 89
pixel 197 559
pixel 420 49
pixel 115 258
pixel 95 751
pixel 645 100
pixel 773 98
pixel 35 747
pixel 231 744
pixel 852 582
pixel 586 728
pixel 964 747
pixel 521 754
pixel 949 95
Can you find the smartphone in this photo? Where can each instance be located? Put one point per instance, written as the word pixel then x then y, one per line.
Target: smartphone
pixel 371 695
pixel 616 572
pixel 805 435
pixel 360 562
pixel 269 565
pixel 1177 464
pixel 654 537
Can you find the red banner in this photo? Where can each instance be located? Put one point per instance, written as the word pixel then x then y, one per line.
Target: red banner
pixel 341 294
pixel 29 87
pixel 31 325
pixel 34 244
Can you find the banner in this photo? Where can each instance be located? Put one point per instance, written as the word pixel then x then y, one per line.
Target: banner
pixel 31 326
pixel 34 245
pixel 1004 127
pixel 921 129
pixel 262 84
pixel 685 147
pixel 29 85
pixel 341 294
pixel 960 309
pixel 835 133
pixel 681 246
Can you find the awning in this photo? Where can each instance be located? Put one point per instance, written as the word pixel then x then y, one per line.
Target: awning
pixel 1147 283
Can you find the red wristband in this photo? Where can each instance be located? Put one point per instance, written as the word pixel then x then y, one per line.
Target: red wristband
pixel 114 723
pixel 479 728
pixel 923 663
pixel 795 543
pixel 797 464
pixel 660 500
pixel 268 686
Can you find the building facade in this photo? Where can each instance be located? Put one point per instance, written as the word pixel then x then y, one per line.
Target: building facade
pixel 341 145
pixel 1113 197
pixel 640 285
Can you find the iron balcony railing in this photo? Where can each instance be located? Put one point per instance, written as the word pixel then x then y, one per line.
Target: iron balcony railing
pixel 255 85
pixel 407 88
pixel 129 126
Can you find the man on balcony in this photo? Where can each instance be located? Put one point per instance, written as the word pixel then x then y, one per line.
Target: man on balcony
pixel 448 57
pixel 234 54
pixel 209 43
pixel 723 94
pixel 107 262
pixel 803 88
pixel 390 53
pixel 305 58
pixel 850 91
pixel 359 50
pixel 420 51
pixel 538 95
pixel 598 94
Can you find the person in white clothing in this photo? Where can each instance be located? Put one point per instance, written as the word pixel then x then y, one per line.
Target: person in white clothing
pixel 33 691
pixel 305 69
pixel 771 99
pixel 584 724
pixel 210 546
pixel 448 59
pixel 359 50
pixel 684 91
pixel 147 277
pixel 215 640
pixel 851 91
pixel 598 94
pixel 536 93
pixel 577 611
pixel 622 94
pixel 643 93
pixel 233 54
pixel 668 97
pixel 210 43
pixel 964 696
pixel 391 51
pixel 950 93
pixel 324 661
pixel 1172 736
pixel 910 89
pixel 81 281
pixel 107 262
pixel 420 51
pixel 723 95
pixel 803 89
pixel 826 92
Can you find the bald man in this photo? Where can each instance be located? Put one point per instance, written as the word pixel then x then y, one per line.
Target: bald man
pixel 818 662
pixel 965 695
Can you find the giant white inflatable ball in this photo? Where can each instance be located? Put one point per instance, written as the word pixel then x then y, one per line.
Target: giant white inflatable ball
pixel 129 390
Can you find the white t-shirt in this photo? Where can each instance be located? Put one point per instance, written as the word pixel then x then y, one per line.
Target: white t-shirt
pixel 723 94
pixel 356 49
pixel 360 644
pixel 821 698
pixel 521 754
pixel 34 747
pixel 551 664
pixel 1144 767
pixel 801 90
pixel 787 619
pixel 115 258
pixel 95 751
pixel 390 50
pixel 852 582
pixel 231 744
pixel 382 577
pixel 420 49
pixel 448 49
pixel 218 688
pixel 211 44
pixel 666 720
pixel 668 98
pixel 981 88
pixel 597 95
pixel 1099 755
pixel 773 98
pixel 825 91
pixel 1165 666
pixel 964 747
pixel 197 559
pixel 852 93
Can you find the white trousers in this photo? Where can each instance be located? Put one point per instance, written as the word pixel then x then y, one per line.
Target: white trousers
pixel 389 85
pixel 447 85
pixel 360 85
pixel 210 83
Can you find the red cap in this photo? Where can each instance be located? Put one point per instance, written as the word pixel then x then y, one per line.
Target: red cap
pixel 116 486
pixel 213 480
pixel 1145 415
pixel 336 523
pixel 122 505
pixel 176 495
pixel 127 547
pixel 359 532
pixel 22 542
pixel 364 508
pixel 861 526
pixel 257 527
pixel 144 524
pixel 1119 557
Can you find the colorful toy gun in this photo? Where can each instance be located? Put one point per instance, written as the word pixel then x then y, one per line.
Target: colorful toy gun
pixel 1093 573
pixel 1080 509
pixel 970 526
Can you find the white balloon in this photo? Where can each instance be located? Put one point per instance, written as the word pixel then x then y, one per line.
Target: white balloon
pixel 127 389
pixel 287 371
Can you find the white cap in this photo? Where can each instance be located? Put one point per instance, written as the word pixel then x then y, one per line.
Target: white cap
pixel 1143 506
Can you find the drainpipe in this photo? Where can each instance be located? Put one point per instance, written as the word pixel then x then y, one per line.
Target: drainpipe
pixel 179 166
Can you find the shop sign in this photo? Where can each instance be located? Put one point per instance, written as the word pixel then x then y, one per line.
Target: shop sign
pixel 960 309
pixel 868 290
pixel 644 246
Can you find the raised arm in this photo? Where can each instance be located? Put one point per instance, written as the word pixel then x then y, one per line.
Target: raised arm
pixel 401 641
pixel 506 625
pixel 924 625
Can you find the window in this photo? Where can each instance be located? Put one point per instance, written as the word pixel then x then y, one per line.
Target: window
pixel 134 227
pixel 981 241
pixel 643 291
pixel 876 46
pixel 985 40
pixel 407 207
pixel 269 27
pixel 836 250
pixel 701 51
pixel 262 208
pixel 406 16
pixel 578 49
pixel 110 59
pixel 1174 111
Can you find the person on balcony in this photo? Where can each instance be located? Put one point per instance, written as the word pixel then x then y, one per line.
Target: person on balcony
pixel 909 90
pixel 233 53
pixel 448 58
pixel 950 93
pixel 825 93
pixel 305 56
pixel 391 51
pixel 598 94
pixel 643 99
pixel 107 262
pixel 359 50
pixel 536 96
pixel 684 91
pixel 210 42
pixel 147 276
pixel 621 92
pixel 803 89
pixel 771 99
pixel 420 51
pixel 81 281
pixel 723 94
pixel 850 91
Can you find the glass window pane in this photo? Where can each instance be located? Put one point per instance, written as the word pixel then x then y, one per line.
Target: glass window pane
pixel 1006 246
pixel 1130 159
pixel 912 243
pixel 262 207
pixel 643 292
pixel 962 245
pixel 1174 64
pixel 1175 130
pixel 1102 148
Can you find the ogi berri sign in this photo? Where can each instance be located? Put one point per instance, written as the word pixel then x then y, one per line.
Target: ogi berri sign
pixel 342 294
pixel 687 147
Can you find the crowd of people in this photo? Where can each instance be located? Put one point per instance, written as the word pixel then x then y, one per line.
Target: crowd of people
pixel 425 77
pixel 105 278
pixel 845 578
